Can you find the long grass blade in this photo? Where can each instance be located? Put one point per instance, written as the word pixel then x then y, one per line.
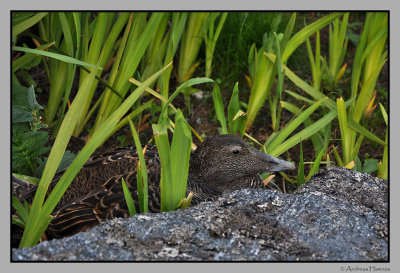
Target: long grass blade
pixel 24 25
pixel 304 134
pixel 56 153
pixel 142 178
pixel 180 155
pixel 128 198
pixel 315 166
pixel 56 56
pixel 289 128
pixel 300 172
pixel 219 108
pixel 306 32
pixel 38 223
pixel 161 138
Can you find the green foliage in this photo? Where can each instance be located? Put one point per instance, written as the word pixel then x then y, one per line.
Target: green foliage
pixel 27 147
pixel 337 47
pixel 263 70
pixel 25 107
pixel 28 143
pixel 174 160
pixel 211 39
pixel 22 212
pixel 370 57
pixel 370 165
pixel 236 117
pixel 315 61
pixel 199 26
pixel 141 175
pixel 39 217
pixel 143 45
pixel 219 108
pixel 195 30
pixel 128 198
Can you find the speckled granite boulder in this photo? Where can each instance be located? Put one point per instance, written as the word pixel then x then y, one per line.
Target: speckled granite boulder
pixel 339 215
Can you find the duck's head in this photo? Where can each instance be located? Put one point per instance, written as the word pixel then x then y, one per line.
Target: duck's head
pixel 222 162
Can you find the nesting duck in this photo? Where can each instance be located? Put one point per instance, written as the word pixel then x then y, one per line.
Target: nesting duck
pixel 218 166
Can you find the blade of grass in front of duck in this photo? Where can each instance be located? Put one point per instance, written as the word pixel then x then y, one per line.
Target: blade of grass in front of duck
pixel 233 108
pixel 40 219
pixel 161 138
pixel 128 198
pixel 56 154
pixel 142 179
pixel 180 155
pixel 219 108
pixel 163 99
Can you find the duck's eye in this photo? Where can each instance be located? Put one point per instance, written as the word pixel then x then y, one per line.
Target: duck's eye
pixel 235 152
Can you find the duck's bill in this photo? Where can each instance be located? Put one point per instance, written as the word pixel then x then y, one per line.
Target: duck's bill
pixel 278 165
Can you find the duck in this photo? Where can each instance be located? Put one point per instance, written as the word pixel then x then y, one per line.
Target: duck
pixel 220 165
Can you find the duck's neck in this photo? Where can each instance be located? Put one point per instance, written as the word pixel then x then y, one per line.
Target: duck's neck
pixel 210 190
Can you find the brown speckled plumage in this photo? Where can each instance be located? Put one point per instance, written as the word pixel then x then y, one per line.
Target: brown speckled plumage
pixel 218 166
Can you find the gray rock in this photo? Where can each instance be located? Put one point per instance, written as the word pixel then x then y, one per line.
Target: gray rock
pixel 339 215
